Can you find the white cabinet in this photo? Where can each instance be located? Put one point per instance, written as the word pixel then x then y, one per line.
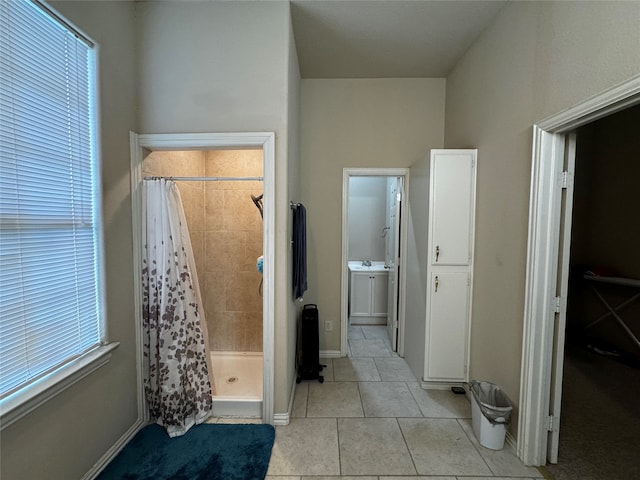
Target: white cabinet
pixel 452 178
pixel 447 326
pixel 368 302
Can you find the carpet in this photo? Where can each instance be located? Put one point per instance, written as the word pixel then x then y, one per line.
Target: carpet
pixel 205 452
pixel 599 420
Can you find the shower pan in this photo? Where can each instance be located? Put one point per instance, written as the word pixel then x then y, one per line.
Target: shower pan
pixel 238 379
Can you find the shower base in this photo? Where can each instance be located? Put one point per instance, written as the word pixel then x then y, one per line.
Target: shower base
pixel 238 382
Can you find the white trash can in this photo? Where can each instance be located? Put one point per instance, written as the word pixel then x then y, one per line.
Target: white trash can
pixel 490 413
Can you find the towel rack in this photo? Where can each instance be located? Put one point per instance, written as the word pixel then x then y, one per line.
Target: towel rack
pixel 293 205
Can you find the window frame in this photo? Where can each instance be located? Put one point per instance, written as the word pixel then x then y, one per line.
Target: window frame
pixel 37 392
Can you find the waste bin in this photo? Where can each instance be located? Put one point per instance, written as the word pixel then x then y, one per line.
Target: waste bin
pixel 490 413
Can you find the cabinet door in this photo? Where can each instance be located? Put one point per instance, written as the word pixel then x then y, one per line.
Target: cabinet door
pixel 380 294
pixel 452 206
pixel 360 294
pixel 447 326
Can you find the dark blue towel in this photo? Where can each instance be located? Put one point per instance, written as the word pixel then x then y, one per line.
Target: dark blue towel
pixel 299 251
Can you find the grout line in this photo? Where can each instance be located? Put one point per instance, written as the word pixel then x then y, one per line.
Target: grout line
pixel 306 402
pixel 338 442
pixel 413 462
pixel 415 400
pixel 475 446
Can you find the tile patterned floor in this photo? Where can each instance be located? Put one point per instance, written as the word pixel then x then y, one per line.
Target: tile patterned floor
pixel 370 420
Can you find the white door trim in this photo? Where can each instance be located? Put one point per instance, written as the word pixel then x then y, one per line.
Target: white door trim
pixel 542 261
pixel 200 141
pixel 344 295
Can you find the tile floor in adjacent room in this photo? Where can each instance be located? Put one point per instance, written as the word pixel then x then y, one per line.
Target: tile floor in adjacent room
pixel 370 420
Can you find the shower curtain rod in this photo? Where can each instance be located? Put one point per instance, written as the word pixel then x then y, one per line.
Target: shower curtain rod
pixel 207 179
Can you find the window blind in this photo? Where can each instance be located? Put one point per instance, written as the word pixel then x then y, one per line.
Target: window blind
pixel 49 229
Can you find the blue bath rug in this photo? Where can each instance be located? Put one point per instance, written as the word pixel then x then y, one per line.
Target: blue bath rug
pixel 205 452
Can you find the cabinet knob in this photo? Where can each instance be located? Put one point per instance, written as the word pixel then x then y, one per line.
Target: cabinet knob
pixel 437 252
pixel 436 282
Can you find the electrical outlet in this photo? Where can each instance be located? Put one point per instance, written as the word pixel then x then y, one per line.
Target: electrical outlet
pixel 328 326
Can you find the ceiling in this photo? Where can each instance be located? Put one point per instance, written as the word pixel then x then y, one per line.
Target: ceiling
pixel 386 38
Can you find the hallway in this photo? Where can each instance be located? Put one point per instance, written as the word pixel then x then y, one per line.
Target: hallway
pixel 370 420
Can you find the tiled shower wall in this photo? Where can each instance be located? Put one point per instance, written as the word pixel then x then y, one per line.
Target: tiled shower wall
pixel 226 233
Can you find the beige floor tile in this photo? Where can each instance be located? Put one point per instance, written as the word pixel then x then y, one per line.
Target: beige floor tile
pixel 440 403
pixel 353 369
pixel 345 478
pixel 441 447
pixel 394 369
pixel 355 333
pixel 420 477
pixel 500 478
pixel 373 446
pixel 503 463
pixel 375 331
pixel 299 408
pixel 307 446
pixel 327 371
pixel 334 399
pixel 388 399
pixel 373 347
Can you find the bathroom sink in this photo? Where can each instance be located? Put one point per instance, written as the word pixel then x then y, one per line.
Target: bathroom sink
pixel 376 266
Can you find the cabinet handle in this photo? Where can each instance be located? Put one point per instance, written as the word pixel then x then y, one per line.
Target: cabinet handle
pixel 436 283
pixel 437 252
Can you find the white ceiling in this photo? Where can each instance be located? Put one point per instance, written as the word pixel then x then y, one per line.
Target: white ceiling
pixel 386 38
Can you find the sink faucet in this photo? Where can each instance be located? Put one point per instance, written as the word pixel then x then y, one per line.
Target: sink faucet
pixel 366 263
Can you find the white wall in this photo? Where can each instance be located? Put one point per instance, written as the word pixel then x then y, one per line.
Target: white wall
pixel 293 163
pixel 535 60
pixel 66 436
pixel 370 123
pixel 416 286
pixel 225 67
pixel 367 217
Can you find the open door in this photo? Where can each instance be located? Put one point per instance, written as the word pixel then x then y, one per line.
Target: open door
pixel 550 207
pixel 392 256
pixel 391 196
pixel 562 287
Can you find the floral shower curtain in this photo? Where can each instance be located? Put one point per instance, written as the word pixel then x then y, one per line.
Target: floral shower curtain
pixel 176 359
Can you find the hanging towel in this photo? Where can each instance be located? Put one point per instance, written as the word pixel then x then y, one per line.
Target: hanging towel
pixel 299 251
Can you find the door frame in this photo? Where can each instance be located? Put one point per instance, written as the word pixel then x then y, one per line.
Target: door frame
pixel 543 256
pixel 211 141
pixel 344 294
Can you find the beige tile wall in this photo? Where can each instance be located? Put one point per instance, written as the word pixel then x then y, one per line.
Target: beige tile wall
pixel 226 234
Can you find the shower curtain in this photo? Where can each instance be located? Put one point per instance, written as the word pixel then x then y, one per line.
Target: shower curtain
pixel 176 360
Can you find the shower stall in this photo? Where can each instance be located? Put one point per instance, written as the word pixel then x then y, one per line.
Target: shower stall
pixel 221 193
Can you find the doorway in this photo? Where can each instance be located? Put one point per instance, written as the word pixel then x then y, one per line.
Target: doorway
pixel 547 270
pixel 373 254
pixel 262 144
pixel 601 349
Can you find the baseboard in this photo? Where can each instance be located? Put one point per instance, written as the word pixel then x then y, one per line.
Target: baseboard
pixel 511 441
pixel 285 418
pixel 113 451
pixel 281 418
pixel 330 354
pixel 442 385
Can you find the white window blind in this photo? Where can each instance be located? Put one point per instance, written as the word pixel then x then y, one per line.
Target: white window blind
pixel 50 308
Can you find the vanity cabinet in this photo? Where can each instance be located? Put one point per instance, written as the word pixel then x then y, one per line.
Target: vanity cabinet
pixel 452 181
pixel 368 300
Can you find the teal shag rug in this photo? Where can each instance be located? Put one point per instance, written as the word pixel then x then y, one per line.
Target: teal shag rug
pixel 205 452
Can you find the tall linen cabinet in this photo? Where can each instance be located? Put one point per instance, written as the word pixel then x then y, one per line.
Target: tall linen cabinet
pixel 451 228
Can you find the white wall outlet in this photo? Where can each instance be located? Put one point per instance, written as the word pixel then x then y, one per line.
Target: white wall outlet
pixel 328 326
